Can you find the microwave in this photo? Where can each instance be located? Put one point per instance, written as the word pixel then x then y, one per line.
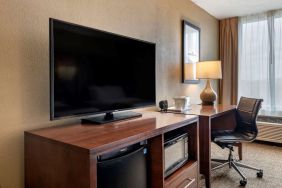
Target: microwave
pixel 176 153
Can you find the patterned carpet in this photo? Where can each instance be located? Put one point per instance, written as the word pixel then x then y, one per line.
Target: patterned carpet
pixel 268 158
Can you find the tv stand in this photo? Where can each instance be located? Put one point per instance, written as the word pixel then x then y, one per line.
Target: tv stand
pixel 67 156
pixel 111 117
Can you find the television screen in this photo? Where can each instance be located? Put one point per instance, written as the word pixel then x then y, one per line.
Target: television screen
pixel 94 71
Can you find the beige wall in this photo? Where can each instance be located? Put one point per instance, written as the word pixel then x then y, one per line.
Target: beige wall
pixel 24 58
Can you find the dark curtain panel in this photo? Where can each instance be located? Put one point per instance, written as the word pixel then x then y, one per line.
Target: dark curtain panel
pixel 228 52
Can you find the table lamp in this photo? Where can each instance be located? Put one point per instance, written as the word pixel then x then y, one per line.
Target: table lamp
pixel 208 70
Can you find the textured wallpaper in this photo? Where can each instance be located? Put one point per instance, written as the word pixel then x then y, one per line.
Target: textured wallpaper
pixel 24 58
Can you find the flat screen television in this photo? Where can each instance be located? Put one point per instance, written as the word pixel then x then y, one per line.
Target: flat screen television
pixel 98 72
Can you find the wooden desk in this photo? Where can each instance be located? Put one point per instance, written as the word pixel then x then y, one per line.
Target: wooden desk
pixel 66 156
pixel 211 117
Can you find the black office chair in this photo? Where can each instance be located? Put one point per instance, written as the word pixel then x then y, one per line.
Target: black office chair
pixel 245 131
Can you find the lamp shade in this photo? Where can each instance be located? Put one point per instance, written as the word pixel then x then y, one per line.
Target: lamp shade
pixel 208 70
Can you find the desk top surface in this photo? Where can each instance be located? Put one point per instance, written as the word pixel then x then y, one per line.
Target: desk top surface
pixel 99 137
pixel 210 111
pixel 152 123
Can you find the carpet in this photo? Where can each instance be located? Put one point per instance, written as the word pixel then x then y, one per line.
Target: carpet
pixel 266 157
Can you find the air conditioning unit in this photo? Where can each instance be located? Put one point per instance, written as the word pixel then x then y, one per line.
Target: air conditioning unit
pixel 271 132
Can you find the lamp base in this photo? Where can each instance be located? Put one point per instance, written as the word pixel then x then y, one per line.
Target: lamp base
pixel 208 95
pixel 207 103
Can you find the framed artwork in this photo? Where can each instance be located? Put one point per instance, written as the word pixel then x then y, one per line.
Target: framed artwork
pixel 190 52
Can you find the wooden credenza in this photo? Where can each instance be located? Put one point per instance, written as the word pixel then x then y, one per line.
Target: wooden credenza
pixel 66 156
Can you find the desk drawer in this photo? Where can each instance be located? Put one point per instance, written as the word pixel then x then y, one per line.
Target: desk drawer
pixel 188 183
pixel 185 177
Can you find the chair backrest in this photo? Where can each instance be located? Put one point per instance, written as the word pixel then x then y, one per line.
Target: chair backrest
pixel 247 112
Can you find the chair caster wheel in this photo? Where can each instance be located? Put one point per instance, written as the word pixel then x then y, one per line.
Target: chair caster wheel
pixel 243 182
pixel 260 174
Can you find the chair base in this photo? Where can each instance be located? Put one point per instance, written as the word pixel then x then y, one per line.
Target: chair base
pixel 233 163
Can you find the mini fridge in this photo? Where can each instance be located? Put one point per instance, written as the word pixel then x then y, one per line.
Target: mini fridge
pixel 125 168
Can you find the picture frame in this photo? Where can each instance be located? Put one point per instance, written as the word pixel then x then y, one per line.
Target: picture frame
pixel 190 52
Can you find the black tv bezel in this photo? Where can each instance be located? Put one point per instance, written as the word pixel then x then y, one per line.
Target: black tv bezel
pixel 51 71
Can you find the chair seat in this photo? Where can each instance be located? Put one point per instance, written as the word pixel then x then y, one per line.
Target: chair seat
pixel 229 136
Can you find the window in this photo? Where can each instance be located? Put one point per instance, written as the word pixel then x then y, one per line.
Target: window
pixel 260 58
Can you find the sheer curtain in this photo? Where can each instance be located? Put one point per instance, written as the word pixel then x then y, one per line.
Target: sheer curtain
pixel 260 58
pixel 278 59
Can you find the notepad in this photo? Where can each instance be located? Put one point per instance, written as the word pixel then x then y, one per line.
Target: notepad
pixel 173 109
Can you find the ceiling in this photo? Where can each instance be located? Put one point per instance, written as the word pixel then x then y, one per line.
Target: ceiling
pixel 231 8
